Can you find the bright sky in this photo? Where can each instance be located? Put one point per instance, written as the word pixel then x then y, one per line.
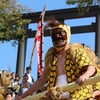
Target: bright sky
pixel 8 53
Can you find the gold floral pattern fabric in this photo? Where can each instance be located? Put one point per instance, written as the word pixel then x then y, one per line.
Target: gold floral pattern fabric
pixel 73 70
pixel 52 73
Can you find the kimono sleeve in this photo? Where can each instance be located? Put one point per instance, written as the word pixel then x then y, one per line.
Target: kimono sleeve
pixel 82 58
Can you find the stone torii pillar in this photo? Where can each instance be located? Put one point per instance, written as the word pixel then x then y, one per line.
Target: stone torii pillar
pixel 97 35
pixel 21 56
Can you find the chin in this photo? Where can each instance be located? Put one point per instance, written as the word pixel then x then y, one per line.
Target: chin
pixel 60 45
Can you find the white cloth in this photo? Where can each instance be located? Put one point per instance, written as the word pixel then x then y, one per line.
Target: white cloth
pixel 61 80
pixel 29 78
pixel 24 89
pixel 15 83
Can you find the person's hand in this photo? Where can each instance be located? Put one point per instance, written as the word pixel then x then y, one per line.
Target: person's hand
pixel 45 97
pixel 82 78
pixel 52 94
pixel 55 92
pixel 18 98
pixel 96 94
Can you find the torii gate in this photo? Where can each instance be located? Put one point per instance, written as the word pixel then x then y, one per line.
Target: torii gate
pixel 63 14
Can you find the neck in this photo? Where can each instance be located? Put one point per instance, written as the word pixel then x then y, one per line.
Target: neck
pixel 62 51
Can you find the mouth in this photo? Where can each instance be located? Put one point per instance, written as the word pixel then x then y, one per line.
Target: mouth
pixel 59 43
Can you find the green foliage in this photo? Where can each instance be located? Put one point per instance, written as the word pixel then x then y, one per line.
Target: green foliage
pixel 83 5
pixel 11 22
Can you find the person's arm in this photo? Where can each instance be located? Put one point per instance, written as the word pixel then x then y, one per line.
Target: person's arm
pixel 36 86
pixel 90 71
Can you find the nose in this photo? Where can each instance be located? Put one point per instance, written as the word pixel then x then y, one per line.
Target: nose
pixel 58 35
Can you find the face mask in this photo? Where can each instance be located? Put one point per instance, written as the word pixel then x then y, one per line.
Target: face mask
pixel 59 37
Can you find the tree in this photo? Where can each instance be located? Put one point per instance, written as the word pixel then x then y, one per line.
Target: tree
pixel 11 22
pixel 83 5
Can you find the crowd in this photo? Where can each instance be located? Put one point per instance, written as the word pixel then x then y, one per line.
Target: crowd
pixel 17 85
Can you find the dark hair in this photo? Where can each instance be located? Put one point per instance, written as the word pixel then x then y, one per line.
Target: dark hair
pixel 12 73
pixel 52 22
pixel 3 71
pixel 25 75
pixel 17 76
pixel 8 94
pixel 28 68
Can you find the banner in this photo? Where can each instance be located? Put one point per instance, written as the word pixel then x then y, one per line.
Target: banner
pixel 39 45
pixel 40 37
pixel 38 41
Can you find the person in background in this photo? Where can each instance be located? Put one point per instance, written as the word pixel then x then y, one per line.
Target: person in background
pixel 45 86
pixel 30 76
pixel 12 78
pixel 8 96
pixel 42 69
pixel 16 80
pixel 15 86
pixel 25 85
pixel 4 73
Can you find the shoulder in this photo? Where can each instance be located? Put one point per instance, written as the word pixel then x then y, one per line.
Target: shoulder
pixel 29 84
pixel 76 47
pixel 50 51
pixel 49 55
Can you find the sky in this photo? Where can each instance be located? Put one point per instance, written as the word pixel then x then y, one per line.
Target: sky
pixel 8 53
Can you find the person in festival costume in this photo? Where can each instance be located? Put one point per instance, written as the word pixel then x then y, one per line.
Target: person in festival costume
pixel 60 69
pixel 4 84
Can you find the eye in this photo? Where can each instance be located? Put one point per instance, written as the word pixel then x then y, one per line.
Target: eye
pixel 63 32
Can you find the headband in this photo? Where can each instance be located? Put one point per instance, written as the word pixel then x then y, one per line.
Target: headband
pixel 66 29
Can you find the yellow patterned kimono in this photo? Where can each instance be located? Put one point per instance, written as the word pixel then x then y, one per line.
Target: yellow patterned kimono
pixel 73 70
